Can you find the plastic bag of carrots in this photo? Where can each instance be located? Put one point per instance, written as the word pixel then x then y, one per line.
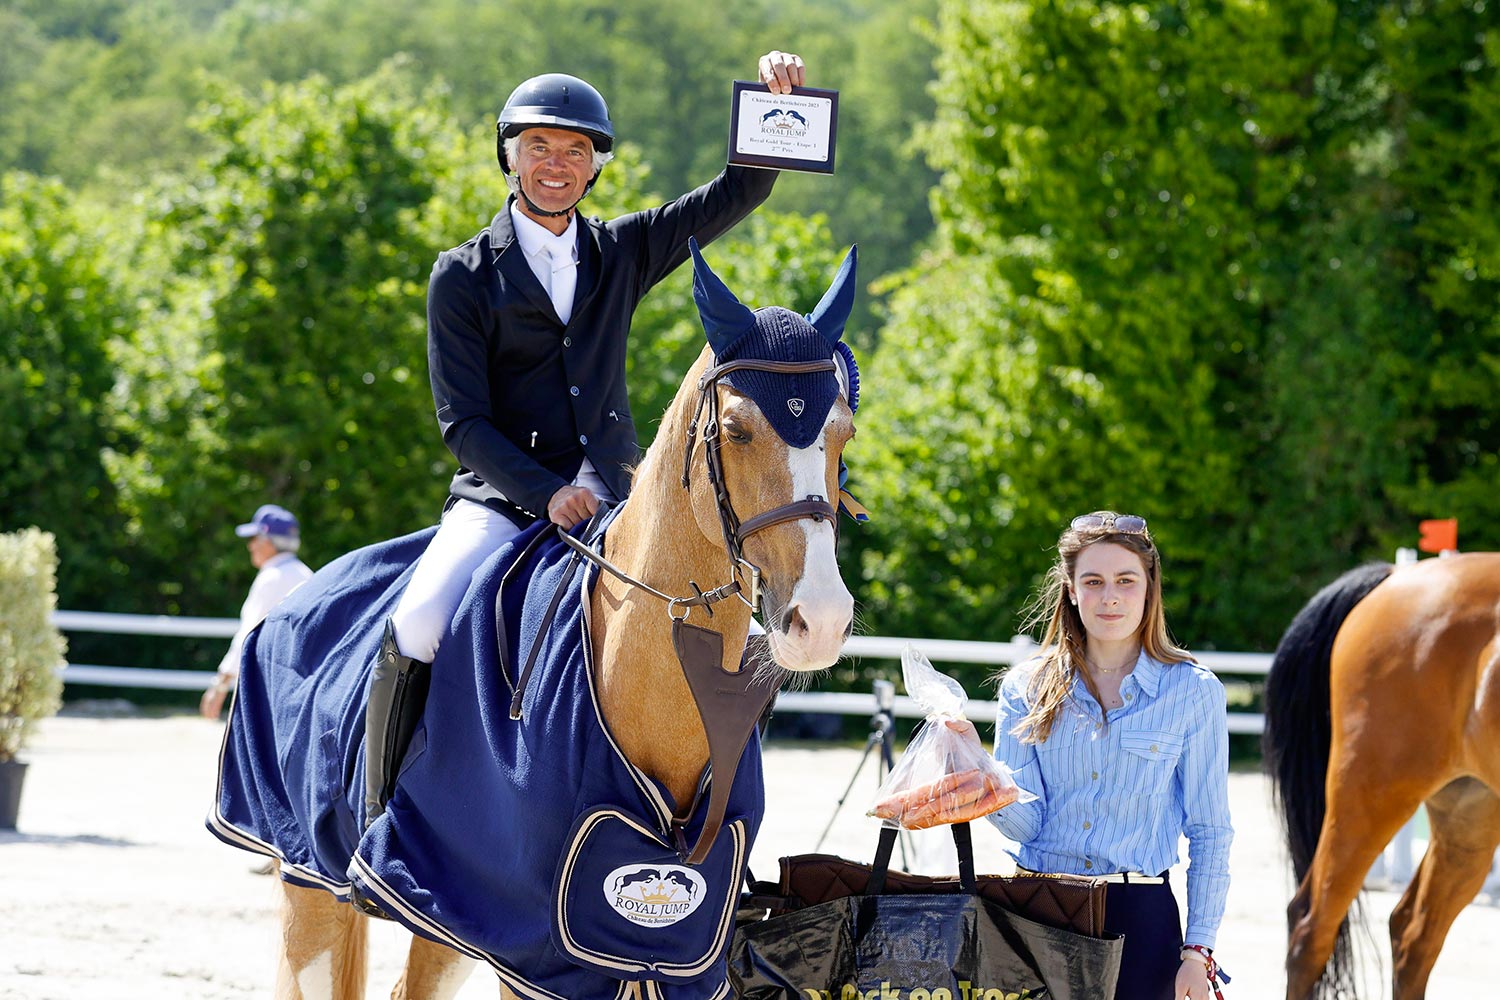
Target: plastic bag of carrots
pixel 946 775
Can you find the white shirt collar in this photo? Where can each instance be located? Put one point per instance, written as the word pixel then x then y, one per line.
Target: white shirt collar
pixel 534 237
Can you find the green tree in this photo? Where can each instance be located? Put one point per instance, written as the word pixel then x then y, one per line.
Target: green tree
pixel 1444 133
pixel 285 358
pixel 1164 284
pixel 60 310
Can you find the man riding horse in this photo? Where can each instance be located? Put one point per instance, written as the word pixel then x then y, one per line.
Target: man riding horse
pixel 527 325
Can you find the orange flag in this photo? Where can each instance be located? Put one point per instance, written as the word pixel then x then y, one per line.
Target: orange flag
pixel 1439 536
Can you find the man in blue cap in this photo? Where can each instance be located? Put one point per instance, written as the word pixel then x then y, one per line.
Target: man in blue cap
pixel 273 539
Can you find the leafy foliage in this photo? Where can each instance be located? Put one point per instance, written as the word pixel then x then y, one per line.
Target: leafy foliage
pixel 59 314
pixel 1201 262
pixel 1233 266
pixel 31 651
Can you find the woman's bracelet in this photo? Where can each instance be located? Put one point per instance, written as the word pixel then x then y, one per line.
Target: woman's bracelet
pixel 1205 955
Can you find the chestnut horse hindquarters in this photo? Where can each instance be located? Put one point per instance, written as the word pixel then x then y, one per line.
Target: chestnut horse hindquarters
pixel 531 843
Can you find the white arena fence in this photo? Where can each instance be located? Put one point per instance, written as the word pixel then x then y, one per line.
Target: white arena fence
pixel 833 702
pixel 1392 870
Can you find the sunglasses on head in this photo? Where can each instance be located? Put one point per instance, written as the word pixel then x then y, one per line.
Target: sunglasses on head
pixel 1125 524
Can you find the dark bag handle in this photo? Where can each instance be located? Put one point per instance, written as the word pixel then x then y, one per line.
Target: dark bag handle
pixel 962 840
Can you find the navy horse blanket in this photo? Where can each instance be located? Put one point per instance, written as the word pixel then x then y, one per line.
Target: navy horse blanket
pixel 532 843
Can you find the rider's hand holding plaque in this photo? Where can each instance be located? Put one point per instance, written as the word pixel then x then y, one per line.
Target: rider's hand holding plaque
pixel 796 130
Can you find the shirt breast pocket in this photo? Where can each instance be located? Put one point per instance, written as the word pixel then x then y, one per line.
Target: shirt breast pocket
pixel 1150 758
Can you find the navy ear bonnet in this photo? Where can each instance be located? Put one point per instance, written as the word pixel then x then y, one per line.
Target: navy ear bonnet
pixel 795 405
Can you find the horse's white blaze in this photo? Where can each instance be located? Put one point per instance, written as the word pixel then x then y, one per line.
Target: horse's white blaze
pixel 819 598
pixel 315 979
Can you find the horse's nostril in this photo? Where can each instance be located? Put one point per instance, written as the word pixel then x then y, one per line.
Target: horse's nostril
pixel 849 630
pixel 785 623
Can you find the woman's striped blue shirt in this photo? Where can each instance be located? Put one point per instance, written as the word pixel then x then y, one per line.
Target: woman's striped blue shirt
pixel 1119 797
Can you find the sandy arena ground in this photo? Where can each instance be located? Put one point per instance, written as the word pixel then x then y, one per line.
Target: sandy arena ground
pixel 113 890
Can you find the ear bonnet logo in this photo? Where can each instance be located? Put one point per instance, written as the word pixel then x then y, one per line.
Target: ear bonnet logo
pixel 783 121
pixel 795 405
pixel 653 895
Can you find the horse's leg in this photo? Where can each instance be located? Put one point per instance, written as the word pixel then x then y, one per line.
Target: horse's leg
pixel 433 972
pixel 323 947
pixel 1465 822
pixel 1354 833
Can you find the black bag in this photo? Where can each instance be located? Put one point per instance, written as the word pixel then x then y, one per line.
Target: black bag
pixel 944 941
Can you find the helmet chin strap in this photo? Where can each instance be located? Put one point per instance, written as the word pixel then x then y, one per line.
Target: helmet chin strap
pixel 539 210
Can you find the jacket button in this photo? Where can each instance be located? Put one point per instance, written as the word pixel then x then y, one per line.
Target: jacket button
pixel 573 390
pixel 583 439
pixel 567 341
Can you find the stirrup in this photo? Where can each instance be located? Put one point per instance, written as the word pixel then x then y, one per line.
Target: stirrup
pixel 365 904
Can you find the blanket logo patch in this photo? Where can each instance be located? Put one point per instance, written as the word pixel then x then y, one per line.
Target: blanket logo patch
pixel 653 895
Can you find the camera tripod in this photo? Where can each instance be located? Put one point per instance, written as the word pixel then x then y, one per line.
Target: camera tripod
pixel 883 736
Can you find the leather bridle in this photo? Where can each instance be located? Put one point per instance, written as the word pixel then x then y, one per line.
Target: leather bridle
pixel 735 530
pixel 744 576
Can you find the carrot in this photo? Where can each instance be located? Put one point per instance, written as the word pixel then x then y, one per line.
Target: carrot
pixel 954 798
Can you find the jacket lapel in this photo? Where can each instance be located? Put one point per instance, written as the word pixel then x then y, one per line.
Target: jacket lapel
pixel 510 261
pixel 589 267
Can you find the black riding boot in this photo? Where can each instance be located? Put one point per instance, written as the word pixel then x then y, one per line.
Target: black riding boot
pixel 393 707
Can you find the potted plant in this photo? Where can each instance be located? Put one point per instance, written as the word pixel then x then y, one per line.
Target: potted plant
pixel 31 653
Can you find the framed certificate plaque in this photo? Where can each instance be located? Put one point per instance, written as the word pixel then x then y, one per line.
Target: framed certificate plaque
pixel 795 131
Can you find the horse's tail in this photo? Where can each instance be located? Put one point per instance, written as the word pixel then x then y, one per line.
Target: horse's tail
pixel 1298 728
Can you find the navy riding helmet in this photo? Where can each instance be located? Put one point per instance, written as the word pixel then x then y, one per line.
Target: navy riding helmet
pixel 554 100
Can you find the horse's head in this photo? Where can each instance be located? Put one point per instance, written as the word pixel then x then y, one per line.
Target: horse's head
pixel 778 392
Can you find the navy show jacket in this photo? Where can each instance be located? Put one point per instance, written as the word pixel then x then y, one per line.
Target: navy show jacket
pixel 522 398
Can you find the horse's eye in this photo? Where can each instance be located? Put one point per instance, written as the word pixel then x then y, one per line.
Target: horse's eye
pixel 737 434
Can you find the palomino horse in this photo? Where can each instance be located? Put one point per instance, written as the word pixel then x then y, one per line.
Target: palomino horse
pixel 1384 695
pixel 732 492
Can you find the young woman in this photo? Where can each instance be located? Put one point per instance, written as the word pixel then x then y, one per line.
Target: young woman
pixel 1125 743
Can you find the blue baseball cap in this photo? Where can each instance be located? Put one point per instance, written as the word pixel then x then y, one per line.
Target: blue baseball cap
pixel 269 519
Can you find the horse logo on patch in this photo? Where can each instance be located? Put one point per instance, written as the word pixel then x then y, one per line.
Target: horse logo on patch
pixel 796 406
pixel 653 895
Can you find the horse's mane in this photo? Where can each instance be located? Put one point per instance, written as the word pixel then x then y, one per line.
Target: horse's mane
pixel 674 419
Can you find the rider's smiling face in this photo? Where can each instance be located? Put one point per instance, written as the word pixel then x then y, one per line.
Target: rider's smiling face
pixel 554 166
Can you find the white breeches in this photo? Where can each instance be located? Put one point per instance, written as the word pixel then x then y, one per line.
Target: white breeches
pixel 469 534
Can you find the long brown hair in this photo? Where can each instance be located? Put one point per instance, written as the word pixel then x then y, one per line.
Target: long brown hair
pixel 1064 640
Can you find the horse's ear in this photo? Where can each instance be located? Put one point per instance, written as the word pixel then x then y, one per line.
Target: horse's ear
pixel 832 312
pixel 725 318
